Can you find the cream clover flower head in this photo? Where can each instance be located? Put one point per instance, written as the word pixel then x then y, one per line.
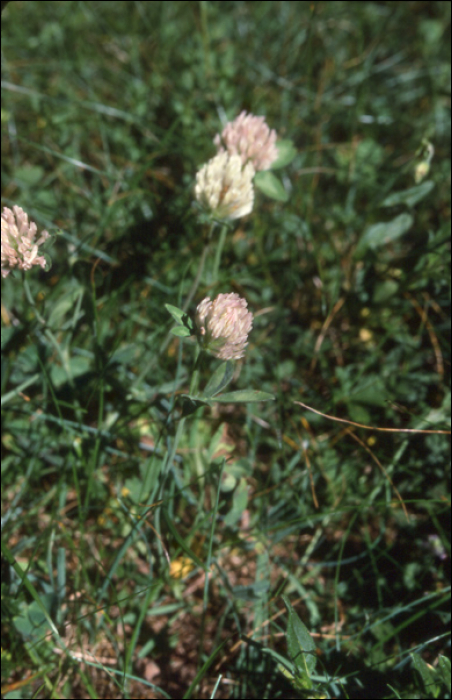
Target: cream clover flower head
pixel 249 137
pixel 19 247
pixel 223 326
pixel 224 188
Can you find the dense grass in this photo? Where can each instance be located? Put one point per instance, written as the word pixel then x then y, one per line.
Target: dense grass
pixel 113 506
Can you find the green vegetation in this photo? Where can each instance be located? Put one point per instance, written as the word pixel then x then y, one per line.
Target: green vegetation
pixel 327 545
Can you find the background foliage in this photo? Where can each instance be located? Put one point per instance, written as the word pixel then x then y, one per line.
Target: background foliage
pixel 108 110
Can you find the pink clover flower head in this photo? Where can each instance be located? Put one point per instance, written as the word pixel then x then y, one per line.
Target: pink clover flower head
pixel 19 247
pixel 224 188
pixel 223 326
pixel 251 138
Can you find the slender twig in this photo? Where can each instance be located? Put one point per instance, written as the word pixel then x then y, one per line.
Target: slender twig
pixel 372 427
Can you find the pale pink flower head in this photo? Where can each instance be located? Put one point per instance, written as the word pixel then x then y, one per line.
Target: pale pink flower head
pixel 251 139
pixel 224 188
pixel 19 247
pixel 223 326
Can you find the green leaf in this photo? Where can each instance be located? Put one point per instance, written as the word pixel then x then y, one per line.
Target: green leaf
pixel 383 233
pixel 16 391
pixel 33 626
pixel 286 154
pixel 239 503
pixel 269 184
pixel 229 483
pixel 219 379
pixel 180 331
pixel 7 334
pixel 190 404
pixel 426 673
pixel 244 396
pixel 384 291
pixel 38 599
pixel 176 313
pixel 74 367
pixel 369 391
pixel 184 323
pixel 409 197
pixel 29 175
pixel 67 302
pixel 300 646
pixel 253 592
pixel 443 671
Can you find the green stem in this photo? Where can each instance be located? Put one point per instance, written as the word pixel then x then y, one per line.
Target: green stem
pixel 100 369
pixel 218 251
pixel 169 461
pixel 179 431
pixel 209 560
pixel 195 375
pixel 196 281
pixel 30 299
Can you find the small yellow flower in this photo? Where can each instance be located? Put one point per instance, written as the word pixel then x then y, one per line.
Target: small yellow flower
pixel 365 335
pixel 181 567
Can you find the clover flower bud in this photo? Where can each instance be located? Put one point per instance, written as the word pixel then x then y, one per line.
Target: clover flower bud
pixel 223 326
pixel 224 188
pixel 250 138
pixel 19 247
pixel 422 168
pixel 421 171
